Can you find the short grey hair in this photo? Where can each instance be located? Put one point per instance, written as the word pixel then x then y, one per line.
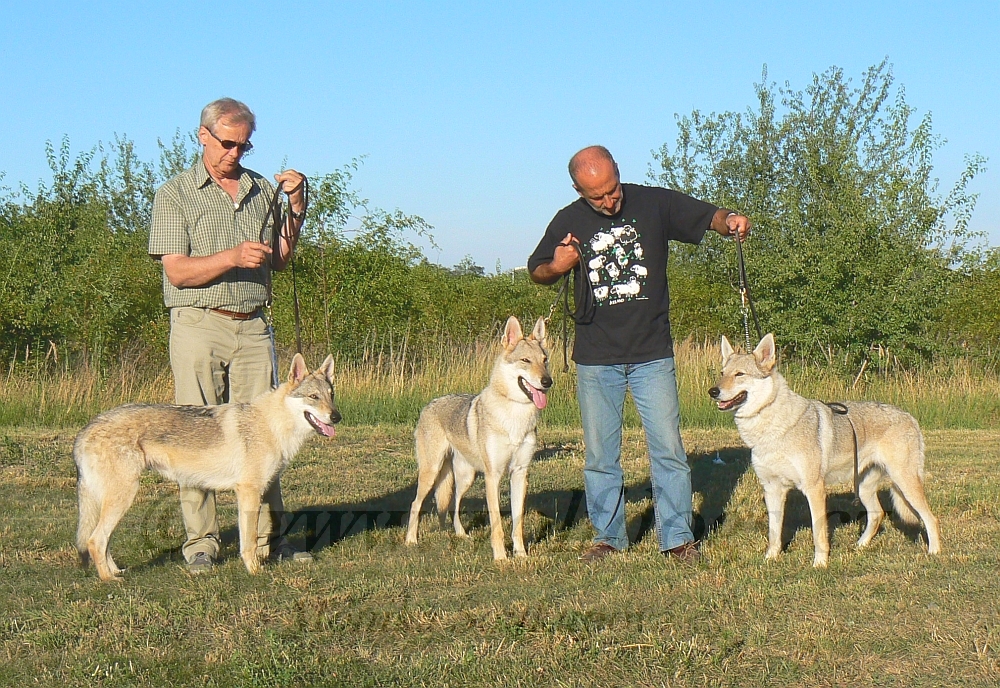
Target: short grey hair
pixel 576 163
pixel 230 108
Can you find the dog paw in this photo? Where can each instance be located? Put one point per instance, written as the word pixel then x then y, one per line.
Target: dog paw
pixel 819 563
pixel 252 563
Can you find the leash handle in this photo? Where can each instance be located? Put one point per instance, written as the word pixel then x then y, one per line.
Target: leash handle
pixel 583 294
pixel 277 227
pixel 746 303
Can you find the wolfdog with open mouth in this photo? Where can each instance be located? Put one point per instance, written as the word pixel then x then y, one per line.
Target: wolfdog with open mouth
pixel 803 443
pixel 491 433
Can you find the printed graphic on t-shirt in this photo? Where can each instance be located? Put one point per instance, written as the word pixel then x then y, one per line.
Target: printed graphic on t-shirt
pixel 616 270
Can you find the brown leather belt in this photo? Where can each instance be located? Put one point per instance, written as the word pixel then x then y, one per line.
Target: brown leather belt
pixel 236 316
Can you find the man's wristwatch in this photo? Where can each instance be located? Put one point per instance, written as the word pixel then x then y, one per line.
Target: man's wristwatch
pixel 296 216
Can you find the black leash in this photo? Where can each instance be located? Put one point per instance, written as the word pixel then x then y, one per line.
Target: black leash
pixel 270 232
pixel 746 303
pixel 841 410
pixel 583 300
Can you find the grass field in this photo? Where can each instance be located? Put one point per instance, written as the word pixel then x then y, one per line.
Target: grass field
pixel 372 612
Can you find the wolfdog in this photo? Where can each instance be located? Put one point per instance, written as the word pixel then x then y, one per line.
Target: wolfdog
pixel 490 433
pixel 241 447
pixel 802 443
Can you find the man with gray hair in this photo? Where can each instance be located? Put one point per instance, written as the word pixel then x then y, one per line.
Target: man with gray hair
pixel 622 232
pixel 206 233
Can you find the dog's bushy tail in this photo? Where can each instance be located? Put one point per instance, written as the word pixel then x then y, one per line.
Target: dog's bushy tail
pixel 902 508
pixel 89 505
pixel 444 488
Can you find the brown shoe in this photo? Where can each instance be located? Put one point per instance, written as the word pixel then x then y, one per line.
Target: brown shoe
pixel 597 552
pixel 686 554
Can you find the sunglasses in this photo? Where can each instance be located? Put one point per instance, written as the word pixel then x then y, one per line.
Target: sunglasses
pixel 243 148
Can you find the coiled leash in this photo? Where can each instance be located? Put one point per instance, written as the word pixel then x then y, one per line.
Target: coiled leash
pixel 584 303
pixel 841 410
pixel 746 303
pixel 271 229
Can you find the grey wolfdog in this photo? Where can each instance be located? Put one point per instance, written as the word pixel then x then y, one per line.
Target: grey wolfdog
pixel 241 447
pixel 802 443
pixel 490 433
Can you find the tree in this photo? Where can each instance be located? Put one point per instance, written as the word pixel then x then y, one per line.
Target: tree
pixel 851 241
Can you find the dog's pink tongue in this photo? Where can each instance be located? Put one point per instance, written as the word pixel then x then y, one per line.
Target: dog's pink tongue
pixel 321 427
pixel 539 397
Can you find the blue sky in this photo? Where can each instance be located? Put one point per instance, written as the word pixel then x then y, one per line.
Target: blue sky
pixel 468 112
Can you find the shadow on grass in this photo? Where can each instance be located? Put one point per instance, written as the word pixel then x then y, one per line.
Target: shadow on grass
pixel 842 512
pixel 714 476
pixel 323 525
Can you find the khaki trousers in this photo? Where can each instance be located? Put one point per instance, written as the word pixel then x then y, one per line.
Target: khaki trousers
pixel 218 360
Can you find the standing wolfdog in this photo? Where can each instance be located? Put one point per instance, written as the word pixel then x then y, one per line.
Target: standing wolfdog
pixel 802 443
pixel 241 447
pixel 490 433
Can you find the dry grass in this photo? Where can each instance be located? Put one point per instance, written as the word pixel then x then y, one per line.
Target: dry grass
pixel 371 611
pixel 392 387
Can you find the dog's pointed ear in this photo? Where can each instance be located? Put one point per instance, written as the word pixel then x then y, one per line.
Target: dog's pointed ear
pixel 538 333
pixel 765 353
pixel 297 373
pixel 512 333
pixel 327 368
pixel 727 349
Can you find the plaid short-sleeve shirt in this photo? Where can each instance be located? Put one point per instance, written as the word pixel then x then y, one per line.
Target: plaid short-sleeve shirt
pixel 194 216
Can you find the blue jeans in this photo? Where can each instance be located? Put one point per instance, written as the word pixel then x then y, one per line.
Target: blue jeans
pixel 601 394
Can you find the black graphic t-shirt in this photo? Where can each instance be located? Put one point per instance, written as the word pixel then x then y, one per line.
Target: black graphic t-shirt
pixel 625 260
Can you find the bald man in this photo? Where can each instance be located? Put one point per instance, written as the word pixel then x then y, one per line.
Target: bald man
pixel 622 231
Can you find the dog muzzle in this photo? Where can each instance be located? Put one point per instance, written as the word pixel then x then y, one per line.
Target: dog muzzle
pixel 727 404
pixel 538 396
pixel 325 429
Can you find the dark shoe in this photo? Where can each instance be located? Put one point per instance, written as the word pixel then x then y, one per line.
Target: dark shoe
pixel 686 554
pixel 200 563
pixel 285 552
pixel 597 552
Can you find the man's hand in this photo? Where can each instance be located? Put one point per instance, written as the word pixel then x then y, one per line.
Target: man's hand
pixel 293 184
pixel 727 223
pixel 249 254
pixel 564 258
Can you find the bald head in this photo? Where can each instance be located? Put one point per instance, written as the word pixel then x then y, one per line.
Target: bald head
pixel 595 178
pixel 592 162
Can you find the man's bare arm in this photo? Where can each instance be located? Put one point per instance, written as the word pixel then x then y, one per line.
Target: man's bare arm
pixel 197 271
